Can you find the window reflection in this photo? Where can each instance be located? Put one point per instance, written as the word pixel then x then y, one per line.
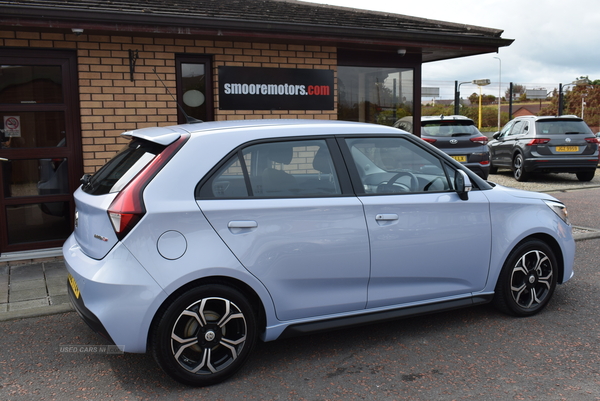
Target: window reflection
pixel 374 95
pixel 37 129
pixel 25 84
pixel 38 222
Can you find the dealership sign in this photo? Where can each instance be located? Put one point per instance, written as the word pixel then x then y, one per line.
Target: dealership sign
pixel 252 88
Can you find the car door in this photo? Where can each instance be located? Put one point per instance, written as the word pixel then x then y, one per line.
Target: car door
pixel 426 243
pixel 291 221
pixel 501 149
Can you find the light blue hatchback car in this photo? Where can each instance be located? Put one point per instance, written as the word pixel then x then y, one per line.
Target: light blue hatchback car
pixel 195 241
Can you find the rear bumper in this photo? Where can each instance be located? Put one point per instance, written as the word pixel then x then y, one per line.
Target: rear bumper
pixel 552 165
pixel 117 297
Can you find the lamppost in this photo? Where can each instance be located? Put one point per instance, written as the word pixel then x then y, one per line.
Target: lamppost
pixel 499 88
pixel 457 96
pixel 480 83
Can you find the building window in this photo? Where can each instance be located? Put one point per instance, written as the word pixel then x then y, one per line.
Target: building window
pixel 194 88
pixel 375 95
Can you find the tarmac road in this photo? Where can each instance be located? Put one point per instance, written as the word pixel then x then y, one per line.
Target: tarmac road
pixel 468 354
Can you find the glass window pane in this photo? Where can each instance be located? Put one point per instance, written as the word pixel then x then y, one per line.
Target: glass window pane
pixel 39 129
pixel 33 177
pixel 193 82
pixel 30 84
pixel 395 165
pixel 288 169
pixel 375 95
pixel 227 183
pixel 38 222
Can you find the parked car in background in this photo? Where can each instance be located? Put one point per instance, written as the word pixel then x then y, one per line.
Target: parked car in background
pixel 545 144
pixel 197 240
pixel 458 137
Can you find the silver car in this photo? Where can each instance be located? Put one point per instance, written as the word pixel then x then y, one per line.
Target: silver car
pixel 196 241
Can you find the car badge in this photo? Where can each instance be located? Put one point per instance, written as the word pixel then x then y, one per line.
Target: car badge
pixel 567 140
pixel 100 237
pixel 453 141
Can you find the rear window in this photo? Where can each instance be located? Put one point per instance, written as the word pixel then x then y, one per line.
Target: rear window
pixel 562 127
pixel 121 169
pixel 448 129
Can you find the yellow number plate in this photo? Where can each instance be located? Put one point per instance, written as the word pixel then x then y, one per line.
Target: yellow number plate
pixel 567 148
pixel 73 285
pixel 460 158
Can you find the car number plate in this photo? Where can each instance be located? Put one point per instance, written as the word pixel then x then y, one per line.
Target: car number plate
pixel 73 285
pixel 567 148
pixel 460 158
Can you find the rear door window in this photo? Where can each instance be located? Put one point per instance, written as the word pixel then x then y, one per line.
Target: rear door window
pixel 123 167
pixel 275 169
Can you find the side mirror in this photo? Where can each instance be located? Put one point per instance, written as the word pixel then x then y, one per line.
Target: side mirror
pixel 496 135
pixel 463 185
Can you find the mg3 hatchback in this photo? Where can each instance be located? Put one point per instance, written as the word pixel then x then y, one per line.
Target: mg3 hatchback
pixel 196 241
pixel 531 144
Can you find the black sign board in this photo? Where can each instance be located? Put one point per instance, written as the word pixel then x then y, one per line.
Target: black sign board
pixel 253 88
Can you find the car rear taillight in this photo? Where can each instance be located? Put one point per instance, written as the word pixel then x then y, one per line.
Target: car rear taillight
pixel 127 209
pixel 480 139
pixel 592 140
pixel 538 141
pixel 430 140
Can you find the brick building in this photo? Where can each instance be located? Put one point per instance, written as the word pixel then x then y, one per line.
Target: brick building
pixel 75 74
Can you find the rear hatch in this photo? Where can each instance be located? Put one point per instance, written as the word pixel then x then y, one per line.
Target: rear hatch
pixel 564 137
pixel 459 139
pixel 110 202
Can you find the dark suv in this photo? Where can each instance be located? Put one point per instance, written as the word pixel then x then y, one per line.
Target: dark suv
pixel 545 144
pixel 460 139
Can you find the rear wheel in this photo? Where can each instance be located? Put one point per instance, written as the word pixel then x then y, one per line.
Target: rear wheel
pixel 205 335
pixel 493 169
pixel 527 280
pixel 518 168
pixel 585 175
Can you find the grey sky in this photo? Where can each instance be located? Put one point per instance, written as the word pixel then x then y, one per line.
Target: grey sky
pixel 556 41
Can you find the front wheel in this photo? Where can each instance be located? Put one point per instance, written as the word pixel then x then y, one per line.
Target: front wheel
pixel 527 280
pixel 205 335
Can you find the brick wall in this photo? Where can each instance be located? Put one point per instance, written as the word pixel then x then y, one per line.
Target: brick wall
pixel 110 103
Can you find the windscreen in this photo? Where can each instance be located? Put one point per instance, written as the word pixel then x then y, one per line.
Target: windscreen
pixel 450 128
pixel 121 169
pixel 562 127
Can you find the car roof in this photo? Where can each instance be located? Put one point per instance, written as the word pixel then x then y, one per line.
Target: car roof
pixel 549 118
pixel 445 118
pixel 258 129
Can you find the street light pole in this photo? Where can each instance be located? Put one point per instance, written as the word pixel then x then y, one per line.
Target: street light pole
pixel 499 88
pixel 480 83
pixel 457 96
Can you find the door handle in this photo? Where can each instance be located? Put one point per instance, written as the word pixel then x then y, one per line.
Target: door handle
pixel 242 224
pixel 386 217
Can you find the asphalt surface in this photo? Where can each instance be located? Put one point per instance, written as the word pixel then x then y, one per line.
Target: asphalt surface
pixel 468 354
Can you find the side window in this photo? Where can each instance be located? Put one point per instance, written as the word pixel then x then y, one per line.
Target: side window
pixel 397 165
pixel 516 129
pixel 506 128
pixel 276 169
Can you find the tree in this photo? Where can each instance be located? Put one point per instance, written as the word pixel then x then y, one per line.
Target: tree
pixel 590 94
pixel 518 91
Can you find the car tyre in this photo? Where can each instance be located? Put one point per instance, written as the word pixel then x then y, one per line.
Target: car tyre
pixel 205 335
pixel 586 175
pixel 527 280
pixel 493 169
pixel 518 168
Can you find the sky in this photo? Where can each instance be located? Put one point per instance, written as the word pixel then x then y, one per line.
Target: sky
pixel 556 41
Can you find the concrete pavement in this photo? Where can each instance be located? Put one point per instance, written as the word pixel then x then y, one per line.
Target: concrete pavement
pixel 39 287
